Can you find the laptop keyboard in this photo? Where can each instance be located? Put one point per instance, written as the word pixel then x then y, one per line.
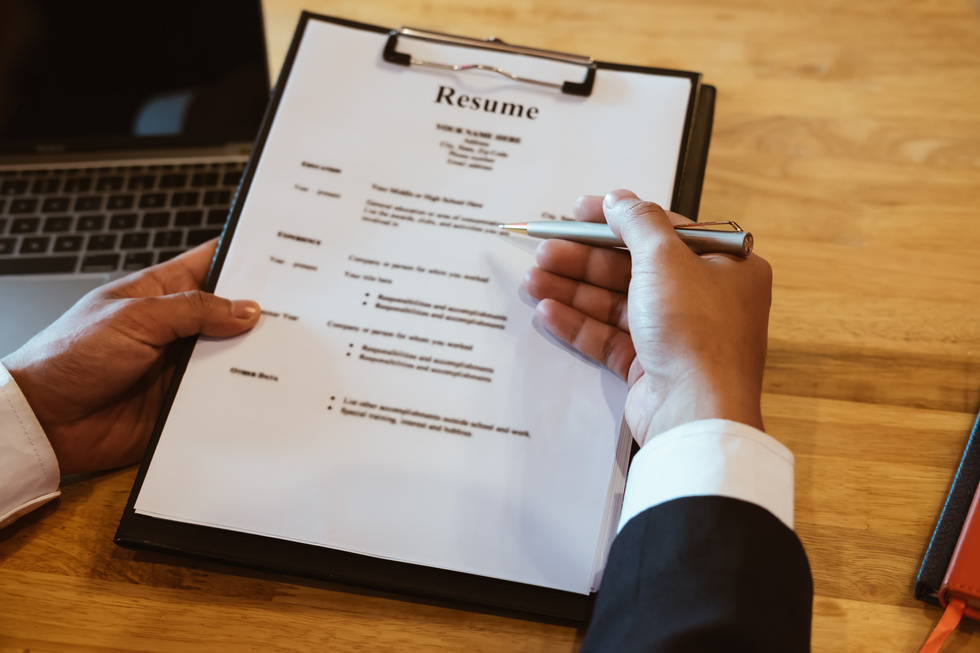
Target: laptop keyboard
pixel 120 218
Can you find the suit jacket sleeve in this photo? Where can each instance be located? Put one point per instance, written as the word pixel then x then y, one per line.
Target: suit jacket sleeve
pixel 704 573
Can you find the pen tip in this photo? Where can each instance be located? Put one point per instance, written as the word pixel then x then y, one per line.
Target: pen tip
pixel 514 226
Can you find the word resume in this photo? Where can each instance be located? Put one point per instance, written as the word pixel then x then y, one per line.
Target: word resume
pixel 397 399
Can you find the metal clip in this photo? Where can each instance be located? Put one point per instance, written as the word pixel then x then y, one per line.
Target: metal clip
pixel 704 225
pixel 583 88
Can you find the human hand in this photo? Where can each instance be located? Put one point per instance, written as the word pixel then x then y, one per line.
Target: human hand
pixel 687 332
pixel 96 378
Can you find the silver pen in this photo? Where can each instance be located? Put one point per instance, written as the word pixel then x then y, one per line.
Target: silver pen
pixel 699 236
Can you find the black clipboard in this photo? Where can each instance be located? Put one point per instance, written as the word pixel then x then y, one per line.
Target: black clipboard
pixel 142 532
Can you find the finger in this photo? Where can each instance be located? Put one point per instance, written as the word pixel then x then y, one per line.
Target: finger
pixel 197 261
pixel 588 208
pixel 181 273
pixel 158 321
pixel 644 227
pixel 599 266
pixel 599 341
pixel 598 303
pixel 193 265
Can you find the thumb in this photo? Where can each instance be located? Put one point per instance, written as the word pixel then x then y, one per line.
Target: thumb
pixel 644 226
pixel 167 318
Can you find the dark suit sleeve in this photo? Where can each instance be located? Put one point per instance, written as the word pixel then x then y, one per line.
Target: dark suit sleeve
pixel 704 574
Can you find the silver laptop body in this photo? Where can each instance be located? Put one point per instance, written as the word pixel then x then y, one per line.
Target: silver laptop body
pixel 124 131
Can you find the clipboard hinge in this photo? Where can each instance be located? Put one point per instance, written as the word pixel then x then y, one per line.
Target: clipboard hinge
pixel 583 88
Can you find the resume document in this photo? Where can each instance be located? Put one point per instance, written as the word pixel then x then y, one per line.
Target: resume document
pixel 396 398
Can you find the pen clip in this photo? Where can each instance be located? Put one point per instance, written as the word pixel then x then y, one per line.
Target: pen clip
pixel 706 226
pixel 583 88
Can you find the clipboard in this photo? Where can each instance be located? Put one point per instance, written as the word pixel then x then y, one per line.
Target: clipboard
pixel 142 532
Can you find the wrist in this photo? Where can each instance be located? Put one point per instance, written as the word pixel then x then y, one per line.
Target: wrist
pixel 695 396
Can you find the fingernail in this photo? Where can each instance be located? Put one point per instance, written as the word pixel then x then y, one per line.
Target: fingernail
pixel 244 309
pixel 615 197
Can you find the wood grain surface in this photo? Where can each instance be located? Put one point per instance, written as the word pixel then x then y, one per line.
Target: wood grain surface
pixel 847 139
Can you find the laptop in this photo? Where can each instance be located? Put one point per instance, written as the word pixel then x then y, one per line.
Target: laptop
pixel 124 131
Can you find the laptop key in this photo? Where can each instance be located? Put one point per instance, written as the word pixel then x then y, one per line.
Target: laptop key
pixel 23 205
pixel 197 236
pixel 202 179
pixel 136 240
pixel 57 224
pixel 168 239
pixel 156 220
pixel 78 184
pixel 7 245
pixel 100 262
pixel 55 205
pixel 166 256
pixel 119 202
pixel 109 183
pixel 173 180
pixel 35 245
pixel 25 225
pixel 123 221
pixel 13 187
pixel 45 186
pixel 141 182
pixel 217 216
pixel 153 200
pixel 68 244
pixel 35 265
pixel 97 242
pixel 213 197
pixel 3 203
pixel 3 224
pixel 189 218
pixel 231 178
pixel 186 198
pixel 137 261
pixel 90 223
pixel 89 203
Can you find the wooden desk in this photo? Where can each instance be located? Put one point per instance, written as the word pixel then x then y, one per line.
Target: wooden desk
pixel 847 137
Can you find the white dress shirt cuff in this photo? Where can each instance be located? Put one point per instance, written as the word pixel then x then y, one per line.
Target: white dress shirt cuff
pixel 712 457
pixel 29 474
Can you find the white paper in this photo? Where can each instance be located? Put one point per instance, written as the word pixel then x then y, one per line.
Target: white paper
pixel 396 398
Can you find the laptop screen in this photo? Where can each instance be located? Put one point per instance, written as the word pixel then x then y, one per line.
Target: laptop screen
pixel 108 74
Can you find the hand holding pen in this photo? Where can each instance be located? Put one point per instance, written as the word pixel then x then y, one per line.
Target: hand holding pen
pixel 701 238
pixel 688 333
